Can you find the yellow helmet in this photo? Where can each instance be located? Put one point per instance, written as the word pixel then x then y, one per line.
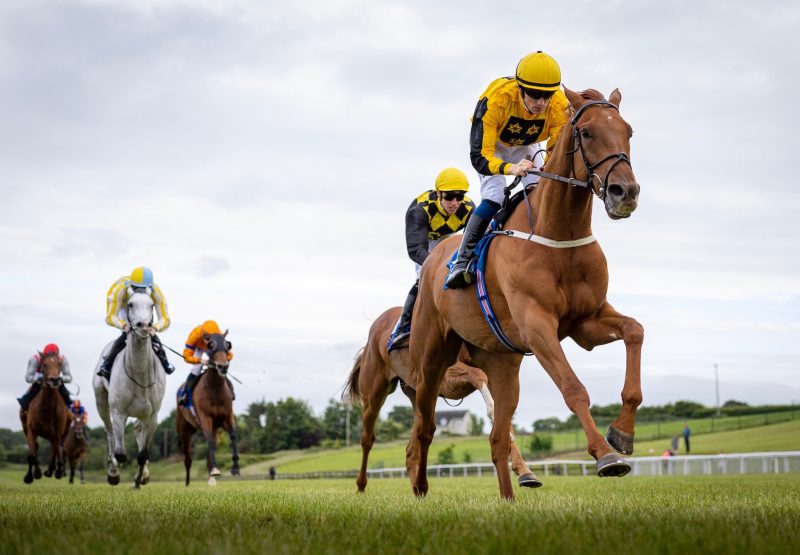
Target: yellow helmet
pixel 452 179
pixel 211 328
pixel 538 71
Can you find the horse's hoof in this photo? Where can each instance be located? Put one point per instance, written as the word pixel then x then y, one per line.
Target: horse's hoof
pixel 134 486
pixel 122 458
pixel 619 440
pixel 28 479
pixel 48 473
pixel 612 465
pixel 214 472
pixel 529 480
pixel 37 473
pixel 212 481
pixel 235 471
pixel 113 480
pixel 145 480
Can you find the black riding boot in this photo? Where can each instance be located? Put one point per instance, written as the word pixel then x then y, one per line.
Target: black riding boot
pixel 25 400
pixel 459 276
pixel 65 394
pixel 108 361
pixel 158 348
pixel 191 381
pixel 403 329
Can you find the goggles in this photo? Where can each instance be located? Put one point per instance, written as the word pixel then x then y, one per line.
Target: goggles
pixel 537 94
pixel 453 195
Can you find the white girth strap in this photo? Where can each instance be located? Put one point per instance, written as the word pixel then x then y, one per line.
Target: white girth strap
pixel 547 242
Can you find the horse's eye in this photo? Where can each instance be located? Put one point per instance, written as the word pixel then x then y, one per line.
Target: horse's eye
pixel 212 345
pixel 130 305
pixel 228 345
pixel 585 133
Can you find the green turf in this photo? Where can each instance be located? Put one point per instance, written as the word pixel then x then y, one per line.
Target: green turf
pixel 717 514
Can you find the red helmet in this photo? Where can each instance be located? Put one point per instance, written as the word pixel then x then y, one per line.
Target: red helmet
pixel 50 349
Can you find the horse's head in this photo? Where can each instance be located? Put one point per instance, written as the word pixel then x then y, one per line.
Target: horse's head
pixel 140 313
pixel 602 150
pixel 217 349
pixel 79 429
pixel 51 369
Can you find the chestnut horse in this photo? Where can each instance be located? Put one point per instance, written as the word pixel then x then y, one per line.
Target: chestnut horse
pixel 75 447
pixel 212 400
pixel 47 417
pixel 546 282
pixel 375 375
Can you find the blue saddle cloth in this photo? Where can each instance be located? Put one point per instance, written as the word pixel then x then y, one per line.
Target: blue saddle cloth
pixel 478 266
pixel 188 404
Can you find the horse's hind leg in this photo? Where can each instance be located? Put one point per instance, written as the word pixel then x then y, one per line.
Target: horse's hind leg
pixel 71 471
pixel 83 481
pixel 185 434
pixel 374 388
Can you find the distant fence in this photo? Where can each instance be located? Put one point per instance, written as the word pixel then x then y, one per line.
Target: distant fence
pixel 780 462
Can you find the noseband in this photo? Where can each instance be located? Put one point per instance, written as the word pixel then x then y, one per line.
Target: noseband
pixel 578 141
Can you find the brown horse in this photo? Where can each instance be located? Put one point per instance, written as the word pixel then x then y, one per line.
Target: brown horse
pixel 75 447
pixel 546 283
pixel 47 417
pixel 212 399
pixel 375 375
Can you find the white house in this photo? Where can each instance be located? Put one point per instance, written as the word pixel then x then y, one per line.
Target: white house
pixel 455 422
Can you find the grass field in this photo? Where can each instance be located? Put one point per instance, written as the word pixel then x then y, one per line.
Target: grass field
pixel 716 514
pixel 784 436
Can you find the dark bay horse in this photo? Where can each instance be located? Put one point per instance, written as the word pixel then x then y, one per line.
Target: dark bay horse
pixel 76 446
pixel 212 400
pixel 546 282
pixel 375 375
pixel 47 417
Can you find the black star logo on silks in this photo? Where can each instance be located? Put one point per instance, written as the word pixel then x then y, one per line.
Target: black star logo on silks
pixel 529 129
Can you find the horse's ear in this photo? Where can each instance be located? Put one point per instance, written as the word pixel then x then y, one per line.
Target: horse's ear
pixel 575 99
pixel 225 334
pixel 129 291
pixel 615 98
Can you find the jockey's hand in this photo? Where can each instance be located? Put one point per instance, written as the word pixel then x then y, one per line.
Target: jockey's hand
pixel 152 331
pixel 126 327
pixel 522 168
pixel 37 377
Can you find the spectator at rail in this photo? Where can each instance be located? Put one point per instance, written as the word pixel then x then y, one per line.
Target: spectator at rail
pixel 272 472
pixel 673 444
pixel 687 432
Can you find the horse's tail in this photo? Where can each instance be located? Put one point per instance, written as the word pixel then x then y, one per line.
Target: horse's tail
pixel 351 394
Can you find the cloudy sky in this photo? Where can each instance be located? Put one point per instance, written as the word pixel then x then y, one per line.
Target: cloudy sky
pixel 260 156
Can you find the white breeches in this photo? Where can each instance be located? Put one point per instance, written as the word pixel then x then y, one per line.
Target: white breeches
pixel 492 185
pixel 195 369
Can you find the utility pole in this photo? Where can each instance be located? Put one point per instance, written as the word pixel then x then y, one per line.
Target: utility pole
pixel 347 426
pixel 716 381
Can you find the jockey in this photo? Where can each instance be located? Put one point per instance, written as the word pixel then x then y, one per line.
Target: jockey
pixel 431 217
pixel 193 353
pixel 140 280
pixel 78 412
pixel 512 116
pixel 34 375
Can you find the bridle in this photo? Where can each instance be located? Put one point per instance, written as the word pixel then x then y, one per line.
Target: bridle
pixel 578 142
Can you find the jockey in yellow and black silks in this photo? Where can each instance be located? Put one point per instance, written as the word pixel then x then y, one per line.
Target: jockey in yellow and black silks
pixel 140 281
pixel 513 119
pixel 432 216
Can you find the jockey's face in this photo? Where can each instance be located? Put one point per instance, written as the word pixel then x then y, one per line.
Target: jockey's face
pixel 537 103
pixel 450 206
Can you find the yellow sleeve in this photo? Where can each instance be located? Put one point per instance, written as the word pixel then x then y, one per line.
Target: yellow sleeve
pixel 161 308
pixel 115 300
pixel 230 355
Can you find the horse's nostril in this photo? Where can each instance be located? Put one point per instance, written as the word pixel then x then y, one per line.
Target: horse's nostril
pixel 615 191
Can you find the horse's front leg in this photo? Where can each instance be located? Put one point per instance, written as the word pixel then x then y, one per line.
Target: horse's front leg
pixel 51 467
pixel 118 419
pixel 144 430
pixel 539 335
pixel 207 428
pixel 33 459
pixel 230 427
pixel 609 325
